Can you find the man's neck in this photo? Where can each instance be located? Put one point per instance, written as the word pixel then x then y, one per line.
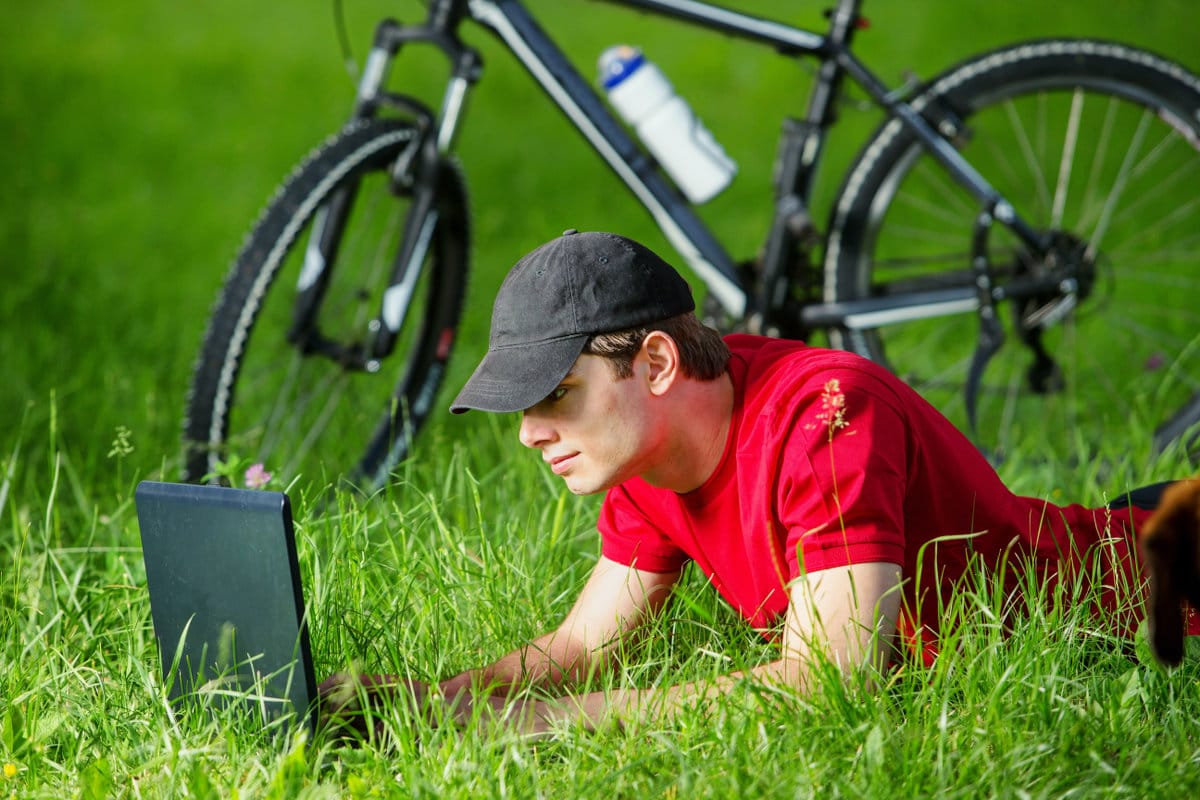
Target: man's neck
pixel 701 415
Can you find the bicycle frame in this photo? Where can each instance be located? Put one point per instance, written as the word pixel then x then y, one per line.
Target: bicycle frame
pixel 894 243
pixel 799 151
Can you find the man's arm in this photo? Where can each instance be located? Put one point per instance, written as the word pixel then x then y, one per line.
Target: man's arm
pixel 846 616
pixel 614 602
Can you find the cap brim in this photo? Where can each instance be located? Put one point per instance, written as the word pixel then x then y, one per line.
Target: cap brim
pixel 517 378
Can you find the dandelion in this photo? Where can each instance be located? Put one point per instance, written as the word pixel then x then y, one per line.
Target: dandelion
pixel 257 476
pixel 10 770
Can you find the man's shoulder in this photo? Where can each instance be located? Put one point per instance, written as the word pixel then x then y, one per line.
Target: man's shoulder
pixel 759 360
pixel 781 383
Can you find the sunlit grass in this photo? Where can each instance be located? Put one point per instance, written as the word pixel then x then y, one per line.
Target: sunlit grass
pixel 456 564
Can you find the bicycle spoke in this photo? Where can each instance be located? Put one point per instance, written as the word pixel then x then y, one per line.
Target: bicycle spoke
pixel 318 426
pixel 1031 159
pixel 280 406
pixel 1145 334
pixel 1086 354
pixel 1180 213
pixel 377 263
pixel 1189 318
pixel 934 209
pixel 1067 160
pixel 998 158
pixel 1088 212
pixel 1155 154
pixel 933 236
pixel 290 425
pixel 949 194
pixel 1097 235
pixel 1163 221
pixel 1178 250
pixel 912 262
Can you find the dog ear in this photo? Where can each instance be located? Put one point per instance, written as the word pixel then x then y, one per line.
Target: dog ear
pixel 1170 545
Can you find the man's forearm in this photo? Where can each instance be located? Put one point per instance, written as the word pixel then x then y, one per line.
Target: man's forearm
pixel 845 617
pixel 548 660
pixel 599 709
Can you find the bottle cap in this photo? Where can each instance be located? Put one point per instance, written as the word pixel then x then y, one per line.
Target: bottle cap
pixel 618 63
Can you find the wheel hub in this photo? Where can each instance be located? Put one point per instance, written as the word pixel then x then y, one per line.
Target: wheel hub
pixel 1048 287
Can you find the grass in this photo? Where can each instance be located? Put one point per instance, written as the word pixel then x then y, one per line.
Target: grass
pixel 140 143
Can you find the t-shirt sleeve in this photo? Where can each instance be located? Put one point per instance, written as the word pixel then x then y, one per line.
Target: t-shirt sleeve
pixel 840 488
pixel 628 537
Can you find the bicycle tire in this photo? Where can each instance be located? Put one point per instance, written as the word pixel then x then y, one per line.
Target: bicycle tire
pixel 1049 124
pixel 255 398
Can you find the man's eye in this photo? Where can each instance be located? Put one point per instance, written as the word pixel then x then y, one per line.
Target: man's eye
pixel 559 393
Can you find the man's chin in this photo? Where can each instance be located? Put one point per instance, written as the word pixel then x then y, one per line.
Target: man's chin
pixel 582 487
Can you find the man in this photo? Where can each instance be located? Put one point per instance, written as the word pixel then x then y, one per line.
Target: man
pixel 824 498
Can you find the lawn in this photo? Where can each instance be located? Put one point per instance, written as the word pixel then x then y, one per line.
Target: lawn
pixel 141 140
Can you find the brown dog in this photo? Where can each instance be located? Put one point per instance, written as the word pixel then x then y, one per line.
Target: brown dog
pixel 1170 545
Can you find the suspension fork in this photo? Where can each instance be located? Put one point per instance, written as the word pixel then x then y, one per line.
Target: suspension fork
pixel 416 173
pixel 329 220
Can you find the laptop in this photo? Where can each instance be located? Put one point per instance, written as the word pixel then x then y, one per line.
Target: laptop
pixel 226 598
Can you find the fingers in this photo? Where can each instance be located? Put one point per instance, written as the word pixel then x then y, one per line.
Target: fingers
pixel 355 707
pixel 1170 544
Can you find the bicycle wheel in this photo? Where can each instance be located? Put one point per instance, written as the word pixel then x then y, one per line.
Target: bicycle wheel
pixel 1095 145
pixel 308 405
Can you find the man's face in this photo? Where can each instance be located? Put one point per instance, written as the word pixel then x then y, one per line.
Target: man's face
pixel 594 430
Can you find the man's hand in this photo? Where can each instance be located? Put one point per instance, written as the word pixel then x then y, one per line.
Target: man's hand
pixel 354 706
pixel 1170 543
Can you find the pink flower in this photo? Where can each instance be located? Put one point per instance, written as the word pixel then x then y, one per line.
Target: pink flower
pixel 257 477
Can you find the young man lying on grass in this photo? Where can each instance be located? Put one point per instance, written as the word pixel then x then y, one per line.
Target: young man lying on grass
pixel 821 495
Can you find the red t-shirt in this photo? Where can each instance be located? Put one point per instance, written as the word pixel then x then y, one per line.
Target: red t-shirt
pixel 831 460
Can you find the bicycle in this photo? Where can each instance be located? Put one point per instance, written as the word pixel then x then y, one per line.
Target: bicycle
pixel 1045 174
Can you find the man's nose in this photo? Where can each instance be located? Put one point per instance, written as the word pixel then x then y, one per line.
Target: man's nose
pixel 535 432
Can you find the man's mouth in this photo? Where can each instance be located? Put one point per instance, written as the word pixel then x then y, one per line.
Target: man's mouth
pixel 560 464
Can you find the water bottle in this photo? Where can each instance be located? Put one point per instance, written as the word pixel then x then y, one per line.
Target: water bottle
pixel 644 97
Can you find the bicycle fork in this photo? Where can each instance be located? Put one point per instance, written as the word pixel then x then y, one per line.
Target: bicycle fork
pixel 415 173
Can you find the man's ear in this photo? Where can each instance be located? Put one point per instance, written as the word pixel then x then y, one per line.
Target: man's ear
pixel 661 355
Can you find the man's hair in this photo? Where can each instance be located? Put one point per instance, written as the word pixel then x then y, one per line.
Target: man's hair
pixel 703 354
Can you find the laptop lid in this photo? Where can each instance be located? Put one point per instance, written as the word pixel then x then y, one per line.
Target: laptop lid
pixel 226 597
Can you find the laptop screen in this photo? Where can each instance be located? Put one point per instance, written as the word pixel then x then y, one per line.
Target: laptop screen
pixel 226 596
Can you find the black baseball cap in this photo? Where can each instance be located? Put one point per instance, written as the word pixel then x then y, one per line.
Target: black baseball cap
pixel 554 300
